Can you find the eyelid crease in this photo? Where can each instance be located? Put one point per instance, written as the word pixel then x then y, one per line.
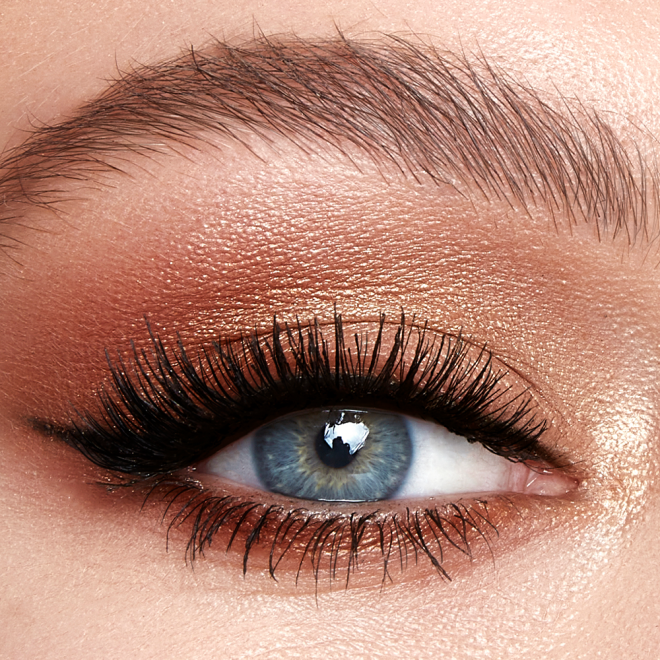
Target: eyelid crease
pixel 434 115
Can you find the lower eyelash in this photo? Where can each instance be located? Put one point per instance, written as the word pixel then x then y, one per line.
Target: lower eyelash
pixel 334 542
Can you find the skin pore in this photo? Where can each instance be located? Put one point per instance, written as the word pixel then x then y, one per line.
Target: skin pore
pixel 218 236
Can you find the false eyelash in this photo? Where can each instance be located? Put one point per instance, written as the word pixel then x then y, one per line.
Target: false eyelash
pixel 162 413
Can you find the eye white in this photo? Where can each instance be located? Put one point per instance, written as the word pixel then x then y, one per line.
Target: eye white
pixel 442 464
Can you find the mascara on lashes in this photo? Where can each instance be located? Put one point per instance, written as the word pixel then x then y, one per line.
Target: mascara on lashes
pixel 167 410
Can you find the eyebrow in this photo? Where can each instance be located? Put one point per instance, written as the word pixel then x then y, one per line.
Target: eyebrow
pixel 431 114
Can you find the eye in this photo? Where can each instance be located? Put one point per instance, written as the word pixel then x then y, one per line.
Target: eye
pixel 346 455
pixel 324 427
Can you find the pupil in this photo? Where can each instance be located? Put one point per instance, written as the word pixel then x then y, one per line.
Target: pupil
pixel 341 439
pixel 337 456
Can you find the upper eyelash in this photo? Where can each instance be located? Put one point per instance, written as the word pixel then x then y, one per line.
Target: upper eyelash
pixel 165 413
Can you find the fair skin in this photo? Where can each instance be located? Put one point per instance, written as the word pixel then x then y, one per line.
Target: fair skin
pixel 204 244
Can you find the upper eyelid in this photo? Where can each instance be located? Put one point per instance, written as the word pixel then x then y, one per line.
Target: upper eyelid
pixel 464 121
pixel 176 393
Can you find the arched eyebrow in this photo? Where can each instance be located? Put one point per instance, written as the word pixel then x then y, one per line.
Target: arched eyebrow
pixel 432 115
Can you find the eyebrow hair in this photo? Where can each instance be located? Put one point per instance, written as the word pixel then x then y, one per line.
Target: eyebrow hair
pixel 430 114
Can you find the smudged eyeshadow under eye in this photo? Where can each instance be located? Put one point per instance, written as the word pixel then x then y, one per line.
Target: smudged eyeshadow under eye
pixel 167 410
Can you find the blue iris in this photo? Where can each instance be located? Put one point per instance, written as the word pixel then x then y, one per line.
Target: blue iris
pixel 334 455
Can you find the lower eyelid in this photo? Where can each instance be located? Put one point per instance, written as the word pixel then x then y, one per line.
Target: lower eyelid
pixel 315 545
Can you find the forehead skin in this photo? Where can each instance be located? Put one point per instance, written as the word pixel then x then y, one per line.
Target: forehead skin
pixel 75 595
